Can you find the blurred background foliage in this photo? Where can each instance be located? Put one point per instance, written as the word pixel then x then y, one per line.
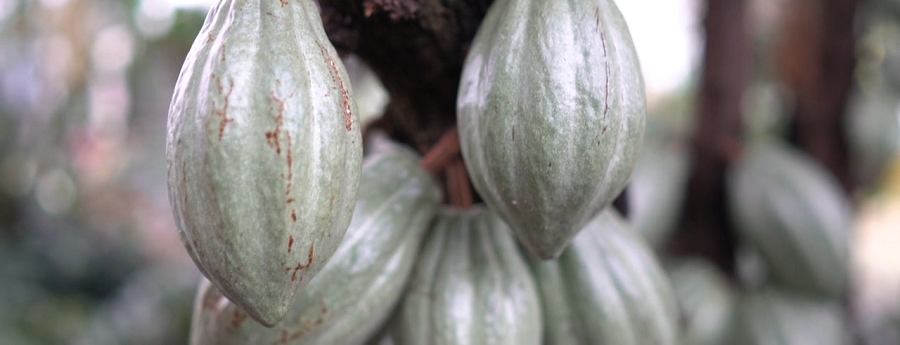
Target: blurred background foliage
pixel 88 249
pixel 89 253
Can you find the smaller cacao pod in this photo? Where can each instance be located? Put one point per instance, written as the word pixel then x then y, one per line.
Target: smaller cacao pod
pixel 656 191
pixel 263 152
pixel 470 286
pixel 355 292
pixel 873 130
pixel 793 212
pixel 777 317
pixel 607 288
pixel 706 300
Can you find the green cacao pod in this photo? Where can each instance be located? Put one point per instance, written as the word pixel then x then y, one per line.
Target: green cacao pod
pixel 606 288
pixel 470 286
pixel 706 301
pixel 263 152
pixel 355 292
pixel 873 131
pixel 551 115
pixel 750 268
pixel 656 191
pixel 777 317
pixel 793 212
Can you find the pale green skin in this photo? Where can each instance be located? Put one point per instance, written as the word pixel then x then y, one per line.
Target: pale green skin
pixel 706 300
pixel 776 317
pixel 656 191
pixel 873 131
pixel 263 149
pixel 607 288
pixel 793 212
pixel 551 115
pixel 356 291
pixel 470 286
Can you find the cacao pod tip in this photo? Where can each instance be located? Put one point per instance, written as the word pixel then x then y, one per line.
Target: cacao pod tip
pixel 544 251
pixel 268 317
pixel 546 241
pixel 268 311
pixel 552 255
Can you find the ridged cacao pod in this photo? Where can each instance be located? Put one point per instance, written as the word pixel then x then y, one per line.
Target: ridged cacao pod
pixel 551 115
pixel 355 292
pixel 263 152
pixel 606 288
pixel 656 191
pixel 706 300
pixel 793 212
pixel 873 130
pixel 775 317
pixel 470 286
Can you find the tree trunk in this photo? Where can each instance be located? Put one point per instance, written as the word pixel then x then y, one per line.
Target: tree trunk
pixel 705 226
pixel 817 61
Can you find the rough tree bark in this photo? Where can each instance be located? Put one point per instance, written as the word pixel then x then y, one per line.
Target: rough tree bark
pixel 705 226
pixel 417 48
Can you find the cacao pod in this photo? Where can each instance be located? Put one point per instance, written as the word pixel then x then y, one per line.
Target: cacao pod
pixel 263 152
pixel 470 286
pixel 793 212
pixel 656 191
pixel 355 292
pixel 775 317
pixel 873 131
pixel 606 288
pixel 706 301
pixel 551 115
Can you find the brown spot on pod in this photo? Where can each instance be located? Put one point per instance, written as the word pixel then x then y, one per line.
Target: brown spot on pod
pixel 237 318
pixel 309 260
pixel 223 113
pixel 336 76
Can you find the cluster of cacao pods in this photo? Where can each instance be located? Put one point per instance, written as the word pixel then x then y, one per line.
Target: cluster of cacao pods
pixel 715 313
pixel 301 239
pixel 793 226
pixel 790 213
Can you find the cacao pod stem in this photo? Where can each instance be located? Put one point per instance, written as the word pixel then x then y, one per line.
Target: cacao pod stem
pixel 443 152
